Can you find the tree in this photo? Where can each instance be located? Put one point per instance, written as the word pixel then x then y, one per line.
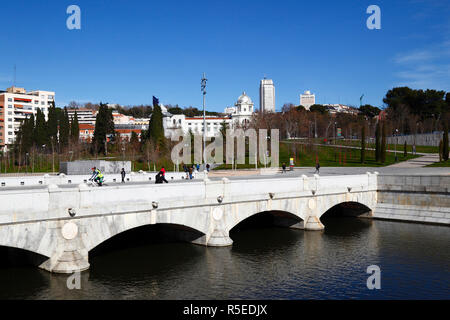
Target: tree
pixel 318 108
pixel 52 125
pixel 40 132
pixel 383 144
pixel 369 111
pixel 155 126
pixel 363 144
pixel 378 142
pixel 75 129
pixel 64 130
pixel 445 143
pixel 134 140
pixel 104 125
pixel 24 139
pixel 441 150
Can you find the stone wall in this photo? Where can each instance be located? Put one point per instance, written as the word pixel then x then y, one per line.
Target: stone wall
pixel 414 198
pixel 85 166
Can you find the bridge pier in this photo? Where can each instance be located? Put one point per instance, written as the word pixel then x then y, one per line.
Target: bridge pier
pixel 313 223
pixel 218 238
pixel 70 254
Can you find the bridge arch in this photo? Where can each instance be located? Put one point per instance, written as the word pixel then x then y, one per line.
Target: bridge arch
pixel 348 208
pixel 277 218
pixel 145 234
pixel 97 230
pixel 362 200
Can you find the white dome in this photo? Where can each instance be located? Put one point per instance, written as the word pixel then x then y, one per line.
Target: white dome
pixel 244 99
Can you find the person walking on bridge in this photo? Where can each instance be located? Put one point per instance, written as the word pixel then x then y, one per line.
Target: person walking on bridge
pixel 317 168
pixel 191 168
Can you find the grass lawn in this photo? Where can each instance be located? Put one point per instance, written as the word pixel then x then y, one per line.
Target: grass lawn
pixel 440 164
pixel 357 143
pixel 305 156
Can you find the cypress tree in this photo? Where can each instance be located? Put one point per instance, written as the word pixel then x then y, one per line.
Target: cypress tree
pixel 64 129
pixel 377 142
pixel 40 132
pixel 75 129
pixel 52 126
pixel 104 125
pixel 363 144
pixel 445 144
pixel 26 134
pixel 383 144
pixel 24 137
pixel 155 126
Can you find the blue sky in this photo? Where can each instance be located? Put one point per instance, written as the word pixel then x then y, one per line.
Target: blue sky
pixel 128 51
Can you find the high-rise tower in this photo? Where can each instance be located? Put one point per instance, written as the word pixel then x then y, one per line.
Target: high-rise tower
pixel 266 96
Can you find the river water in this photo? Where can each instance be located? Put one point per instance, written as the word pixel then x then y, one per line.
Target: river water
pixel 265 262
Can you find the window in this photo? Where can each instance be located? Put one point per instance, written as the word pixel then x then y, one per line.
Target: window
pixel 36 101
pixel 9 106
pixel 10 113
pixel 42 102
pixel 10 133
pixel 10 99
pixel 10 140
pixel 50 97
pixel 9 126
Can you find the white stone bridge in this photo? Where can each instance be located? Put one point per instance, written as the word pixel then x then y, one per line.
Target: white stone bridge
pixel 65 222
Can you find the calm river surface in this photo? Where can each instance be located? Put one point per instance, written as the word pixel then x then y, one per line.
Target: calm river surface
pixel 264 263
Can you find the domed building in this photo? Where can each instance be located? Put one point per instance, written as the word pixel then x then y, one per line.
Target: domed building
pixel 242 110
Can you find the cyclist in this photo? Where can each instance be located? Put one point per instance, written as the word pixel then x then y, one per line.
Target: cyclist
pixel 97 176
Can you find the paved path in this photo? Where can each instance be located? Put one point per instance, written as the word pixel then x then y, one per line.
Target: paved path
pixel 353 147
pixel 417 162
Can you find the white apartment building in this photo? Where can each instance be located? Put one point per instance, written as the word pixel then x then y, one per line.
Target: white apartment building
pixel 240 115
pixel 85 116
pixel 307 99
pixel 16 104
pixel 266 96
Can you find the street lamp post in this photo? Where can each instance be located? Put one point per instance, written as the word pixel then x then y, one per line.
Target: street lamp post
pixel 203 89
